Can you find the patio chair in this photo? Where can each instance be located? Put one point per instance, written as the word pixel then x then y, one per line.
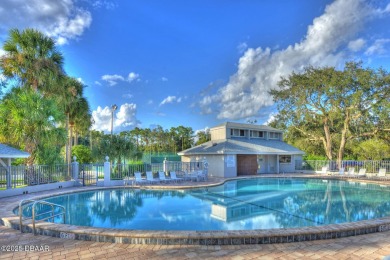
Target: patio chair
pixel 342 172
pixel 127 180
pixel 351 173
pixel 175 178
pixel 191 176
pixel 161 176
pixel 138 178
pixel 361 173
pixel 324 170
pixel 201 176
pixel 150 179
pixel 381 174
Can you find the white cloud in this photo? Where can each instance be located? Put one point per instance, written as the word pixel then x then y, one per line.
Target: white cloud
pixel 81 81
pixel 378 47
pixel 164 79
pixel 104 4
pixel 133 76
pixel 98 83
pixel 127 116
pixel 62 19
pixel 356 45
pixel 271 117
pixel 112 80
pixel 128 96
pixel 124 118
pixel 260 69
pixel 171 99
pixel 150 102
pixel 242 47
pixel 2 52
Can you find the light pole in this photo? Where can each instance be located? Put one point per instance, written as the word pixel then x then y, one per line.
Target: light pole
pixel 113 108
pixel 90 133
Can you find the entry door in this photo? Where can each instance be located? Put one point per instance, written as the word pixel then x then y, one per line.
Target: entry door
pixel 246 164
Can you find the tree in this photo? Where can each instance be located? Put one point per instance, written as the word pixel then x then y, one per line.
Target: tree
pixel 334 107
pixel 29 121
pixel 373 149
pixel 82 153
pixel 203 136
pixel 32 58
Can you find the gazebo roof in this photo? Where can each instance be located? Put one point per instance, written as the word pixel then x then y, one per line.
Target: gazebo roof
pixel 10 152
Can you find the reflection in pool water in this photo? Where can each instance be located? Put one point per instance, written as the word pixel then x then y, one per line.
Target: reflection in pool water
pixel 236 205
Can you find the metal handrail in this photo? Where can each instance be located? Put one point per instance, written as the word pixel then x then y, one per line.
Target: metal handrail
pixel 33 217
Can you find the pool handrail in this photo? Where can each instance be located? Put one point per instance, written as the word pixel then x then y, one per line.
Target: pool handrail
pixel 36 202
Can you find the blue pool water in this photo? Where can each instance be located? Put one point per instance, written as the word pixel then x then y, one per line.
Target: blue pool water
pixel 236 205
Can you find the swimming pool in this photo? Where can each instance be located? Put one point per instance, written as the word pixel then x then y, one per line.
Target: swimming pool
pixel 247 204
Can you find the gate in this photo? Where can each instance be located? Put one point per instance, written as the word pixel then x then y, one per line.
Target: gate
pixel 90 173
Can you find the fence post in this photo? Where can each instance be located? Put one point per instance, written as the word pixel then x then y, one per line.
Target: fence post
pixel 75 168
pixel 107 172
pixel 165 165
pixel 9 182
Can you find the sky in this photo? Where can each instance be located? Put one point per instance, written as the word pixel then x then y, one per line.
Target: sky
pixel 199 63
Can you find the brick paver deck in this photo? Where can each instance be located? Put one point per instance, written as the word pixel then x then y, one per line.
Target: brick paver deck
pixel 372 246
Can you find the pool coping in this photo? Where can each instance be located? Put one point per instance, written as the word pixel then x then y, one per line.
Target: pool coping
pixel 231 237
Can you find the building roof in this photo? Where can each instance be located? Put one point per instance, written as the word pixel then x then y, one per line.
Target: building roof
pixel 10 152
pixel 248 126
pixel 242 146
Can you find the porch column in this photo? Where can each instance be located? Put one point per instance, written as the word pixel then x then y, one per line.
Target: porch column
pixel 9 175
pixel 277 163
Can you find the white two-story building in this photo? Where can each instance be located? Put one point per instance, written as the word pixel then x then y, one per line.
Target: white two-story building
pixel 239 149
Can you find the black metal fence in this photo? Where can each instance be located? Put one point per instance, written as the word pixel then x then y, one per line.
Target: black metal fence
pixel 21 176
pixel 91 173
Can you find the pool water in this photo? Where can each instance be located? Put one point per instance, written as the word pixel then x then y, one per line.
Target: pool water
pixel 248 204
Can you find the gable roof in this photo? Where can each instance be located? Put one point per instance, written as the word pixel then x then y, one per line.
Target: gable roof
pixel 248 126
pixel 10 152
pixel 242 146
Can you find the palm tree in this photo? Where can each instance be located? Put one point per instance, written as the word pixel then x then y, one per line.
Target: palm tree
pixel 32 58
pixel 29 121
pixel 75 107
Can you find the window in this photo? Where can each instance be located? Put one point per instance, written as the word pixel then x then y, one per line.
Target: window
pixel 285 159
pixel 257 134
pixel 237 132
pixel 273 135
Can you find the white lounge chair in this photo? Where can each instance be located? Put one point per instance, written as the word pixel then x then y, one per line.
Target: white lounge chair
pixel 201 176
pixel 161 176
pixel 381 174
pixel 342 172
pixel 150 179
pixel 324 170
pixel 191 176
pixel 175 178
pixel 361 173
pixel 138 178
pixel 351 172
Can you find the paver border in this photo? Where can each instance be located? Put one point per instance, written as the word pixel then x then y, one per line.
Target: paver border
pixel 239 237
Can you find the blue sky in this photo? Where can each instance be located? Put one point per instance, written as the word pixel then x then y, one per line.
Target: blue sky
pixel 199 63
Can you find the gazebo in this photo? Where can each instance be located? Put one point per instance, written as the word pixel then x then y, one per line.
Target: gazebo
pixel 8 153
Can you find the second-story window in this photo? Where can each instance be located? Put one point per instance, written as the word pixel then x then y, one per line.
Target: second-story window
pixel 237 132
pixel 257 134
pixel 273 135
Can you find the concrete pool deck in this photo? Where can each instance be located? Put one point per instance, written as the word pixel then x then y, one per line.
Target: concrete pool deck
pixel 212 242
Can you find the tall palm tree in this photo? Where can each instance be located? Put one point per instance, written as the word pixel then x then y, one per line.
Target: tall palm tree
pixel 75 107
pixel 32 58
